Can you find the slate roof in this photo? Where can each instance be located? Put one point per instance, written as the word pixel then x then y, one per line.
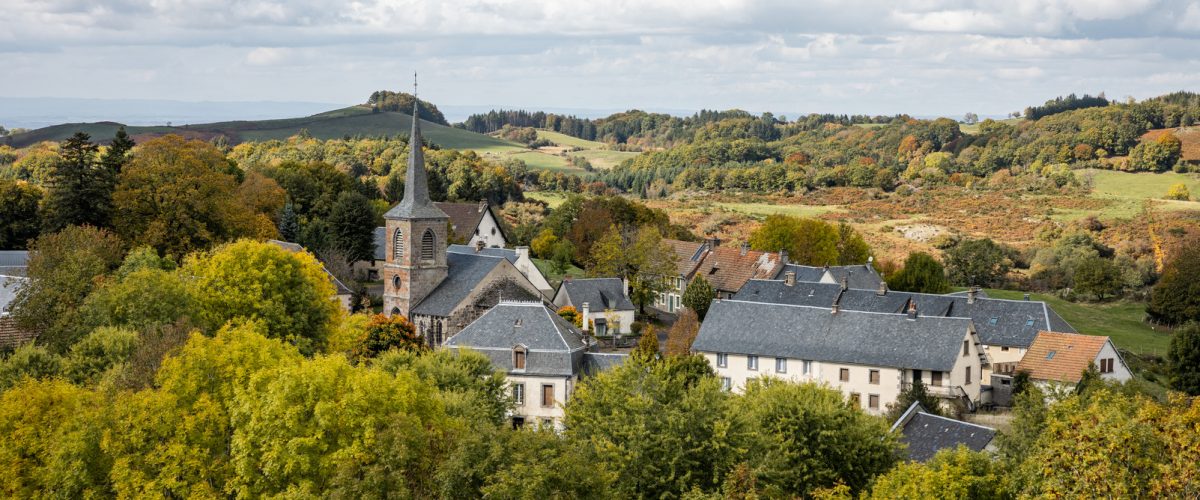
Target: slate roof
pixel 811 274
pixel 504 253
pixel 1060 357
pixel 596 362
pixel 416 203
pixel 599 293
pixel 11 336
pixel 999 322
pixel 380 237
pixel 465 217
pixel 464 273
pixel 858 276
pixel 553 346
pixel 813 333
pixel 342 289
pixel 728 268
pixel 926 434
pixel 14 258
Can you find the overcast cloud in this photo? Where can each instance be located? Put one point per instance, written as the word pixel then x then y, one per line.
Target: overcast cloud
pixel 922 57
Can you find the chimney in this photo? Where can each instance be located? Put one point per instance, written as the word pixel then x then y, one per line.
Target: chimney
pixel 1027 297
pixel 971 293
pixel 789 278
pixel 912 310
pixel 522 253
pixel 882 288
pixel 845 283
pixel 783 257
pixel 585 316
pixel 834 309
pixel 871 261
pixel 745 248
pixel 712 242
pixel 482 205
pixel 479 246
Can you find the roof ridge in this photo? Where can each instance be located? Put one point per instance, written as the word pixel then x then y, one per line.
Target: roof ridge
pixel 840 310
pixel 556 328
pixel 964 422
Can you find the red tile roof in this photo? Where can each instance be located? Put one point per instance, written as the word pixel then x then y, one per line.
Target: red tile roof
pixel 728 268
pixel 11 336
pixel 1060 356
pixel 684 251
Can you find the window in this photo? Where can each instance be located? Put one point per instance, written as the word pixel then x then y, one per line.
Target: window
pixel 752 363
pixel 397 245
pixel 437 333
pixel 856 400
pixel 493 231
pixel 518 422
pixel 993 320
pixel 726 383
pixel 1003 348
pixel 1029 323
pixel 1106 365
pixel 519 358
pixel 936 380
pixel 428 244
pixel 873 401
pixel 547 423
pixel 519 394
pixel 395 282
pixel 722 360
pixel 547 395
pixel 874 377
pixel 1050 355
pixel 395 311
pixel 807 367
pixel 967 376
pixel 966 347
pixel 780 365
pixel 844 375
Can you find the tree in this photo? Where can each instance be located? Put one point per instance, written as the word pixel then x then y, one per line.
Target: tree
pixel 289 224
pixel 1183 358
pixel 543 245
pixel 469 387
pixel 977 263
pixel 500 463
pixel 915 393
pixel 698 296
pixel 64 268
pixel 957 473
pixel 921 273
pixel 609 255
pixel 808 241
pixel 100 353
pixel 852 249
pixel 385 333
pixel 658 434
pixel 288 293
pixel 19 215
pixel 1175 299
pixel 649 261
pixel 353 222
pixel 116 155
pixel 1098 276
pixel 682 334
pixel 80 191
pixel 179 196
pixel 140 299
pixel 647 346
pixel 28 361
pixel 807 436
pixel 1179 191
pixel 970 118
pixel 571 314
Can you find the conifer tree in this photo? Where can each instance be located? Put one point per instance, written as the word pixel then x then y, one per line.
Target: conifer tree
pixel 698 296
pixel 80 193
pixel 289 226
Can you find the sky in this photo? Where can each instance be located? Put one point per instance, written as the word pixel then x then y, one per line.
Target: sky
pixel 922 57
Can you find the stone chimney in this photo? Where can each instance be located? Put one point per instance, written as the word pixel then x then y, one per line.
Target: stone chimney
pixel 584 312
pixel 482 205
pixel 522 253
pixel 745 248
pixel 783 257
pixel 712 242
pixel 882 288
pixel 479 246
pixel 845 283
pixel 789 278
pixel 834 309
pixel 912 310
pixel 971 294
pixel 1027 297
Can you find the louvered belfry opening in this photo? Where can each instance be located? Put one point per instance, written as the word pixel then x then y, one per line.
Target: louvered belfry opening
pixel 428 244
pixel 398 245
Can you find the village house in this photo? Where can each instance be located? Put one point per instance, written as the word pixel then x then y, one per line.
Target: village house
pixel 439 291
pixel 542 355
pixel 1059 359
pixel 725 268
pixel 603 302
pixel 518 257
pixel 1006 327
pixel 924 434
pixel 870 357
pixel 342 293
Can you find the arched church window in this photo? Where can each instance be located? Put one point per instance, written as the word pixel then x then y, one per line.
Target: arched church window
pixel 428 243
pixel 396 282
pixel 397 244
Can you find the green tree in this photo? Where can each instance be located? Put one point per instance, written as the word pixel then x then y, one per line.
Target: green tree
pixel 289 224
pixel 921 273
pixel 521 464
pixel 289 293
pixel 647 346
pixel 698 295
pixel 28 361
pixel 977 263
pixel 809 242
pixel 659 435
pixel 141 299
pixel 385 333
pixel 1175 299
pixel 807 436
pixel 914 393
pixel 852 249
pixel 19 215
pixel 94 356
pixel 64 268
pixel 1183 359
pixel 80 191
pixel 649 261
pixel 116 155
pixel 1019 441
pixel 1099 277
pixel 952 474
pixel 609 255
pixel 469 387
pixel 353 222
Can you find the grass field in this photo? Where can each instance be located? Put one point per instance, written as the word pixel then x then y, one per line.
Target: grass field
pixel 764 209
pixel 974 127
pixel 1122 321
pixel 1127 191
pixel 566 140
pixel 552 198
pixel 552 275
pixel 604 159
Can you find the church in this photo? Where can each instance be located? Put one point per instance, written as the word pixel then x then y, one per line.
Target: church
pixel 439 291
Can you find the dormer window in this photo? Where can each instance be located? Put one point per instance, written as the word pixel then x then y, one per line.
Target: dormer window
pixel 519 358
pixel 993 320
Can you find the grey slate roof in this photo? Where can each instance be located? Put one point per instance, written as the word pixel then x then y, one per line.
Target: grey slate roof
pixel 416 203
pixel 380 237
pixel 599 293
pixel 858 276
pixel 14 258
pixel 926 434
pixel 342 289
pixel 553 346
pixel 999 322
pixel 8 291
pixel 505 253
pixel 596 362
pixel 813 333
pixel 464 273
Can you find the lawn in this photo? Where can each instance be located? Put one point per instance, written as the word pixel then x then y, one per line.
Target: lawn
pixel 604 159
pixel 566 140
pixel 764 209
pixel 1122 321
pixel 552 275
pixel 552 198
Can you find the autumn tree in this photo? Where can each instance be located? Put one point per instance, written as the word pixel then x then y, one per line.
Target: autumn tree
pixel 385 333
pixel 809 242
pixel 80 191
pixel 977 263
pixel 1175 298
pixel 609 257
pixel 852 249
pixel 956 473
pixel 571 314
pixel 647 346
pixel 698 295
pixel 921 273
pixel 20 218
pixel 500 463
pixel 1183 358
pixel 650 262
pixel 682 334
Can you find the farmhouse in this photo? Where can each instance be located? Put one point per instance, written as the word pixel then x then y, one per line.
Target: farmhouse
pixel 726 268
pixel 925 434
pixel 542 355
pixel 1061 358
pixel 438 290
pixel 603 302
pixel 871 357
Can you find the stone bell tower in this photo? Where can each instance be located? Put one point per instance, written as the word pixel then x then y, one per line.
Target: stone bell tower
pixel 416 235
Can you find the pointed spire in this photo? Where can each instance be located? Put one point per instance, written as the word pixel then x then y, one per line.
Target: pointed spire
pixel 416 203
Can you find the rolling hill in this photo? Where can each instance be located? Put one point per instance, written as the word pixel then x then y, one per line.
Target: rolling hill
pixel 351 121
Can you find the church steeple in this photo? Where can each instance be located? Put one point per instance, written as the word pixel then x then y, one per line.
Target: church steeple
pixel 416 204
